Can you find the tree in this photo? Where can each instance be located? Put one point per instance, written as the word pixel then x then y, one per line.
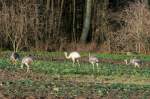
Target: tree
pixel 146 2
pixel 13 26
pixel 86 22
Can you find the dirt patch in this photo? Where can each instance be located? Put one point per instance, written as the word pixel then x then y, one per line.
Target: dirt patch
pixel 9 89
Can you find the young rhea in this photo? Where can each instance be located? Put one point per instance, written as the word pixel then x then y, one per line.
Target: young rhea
pixel 28 60
pixel 93 60
pixel 74 56
pixel 136 62
pixel 14 57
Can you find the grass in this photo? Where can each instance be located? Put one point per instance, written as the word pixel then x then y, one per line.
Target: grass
pixel 64 79
pixel 123 56
pixel 108 73
pixel 66 68
pixel 86 69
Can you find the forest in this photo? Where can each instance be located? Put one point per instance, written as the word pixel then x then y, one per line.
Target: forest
pixel 85 25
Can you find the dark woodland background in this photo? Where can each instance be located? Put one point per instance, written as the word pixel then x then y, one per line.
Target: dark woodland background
pixel 83 25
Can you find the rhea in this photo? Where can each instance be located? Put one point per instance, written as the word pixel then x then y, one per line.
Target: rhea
pixel 14 57
pixel 136 62
pixel 27 61
pixel 74 56
pixel 93 60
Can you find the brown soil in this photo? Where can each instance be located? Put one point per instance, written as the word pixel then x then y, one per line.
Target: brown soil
pixel 20 75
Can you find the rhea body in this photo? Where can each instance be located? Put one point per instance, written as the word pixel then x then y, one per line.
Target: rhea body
pixel 136 62
pixel 74 56
pixel 93 60
pixel 14 57
pixel 27 61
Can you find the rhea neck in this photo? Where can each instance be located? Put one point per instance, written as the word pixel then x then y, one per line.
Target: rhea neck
pixel 89 55
pixel 66 55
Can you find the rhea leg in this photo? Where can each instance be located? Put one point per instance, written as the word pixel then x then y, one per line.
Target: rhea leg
pixel 22 66
pixel 93 66
pixel 27 67
pixel 78 62
pixel 73 60
pixel 137 65
pixel 97 66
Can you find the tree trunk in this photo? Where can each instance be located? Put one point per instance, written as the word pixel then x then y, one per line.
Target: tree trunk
pixel 86 23
pixel 146 3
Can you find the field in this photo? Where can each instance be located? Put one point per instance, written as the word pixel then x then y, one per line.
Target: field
pixel 53 77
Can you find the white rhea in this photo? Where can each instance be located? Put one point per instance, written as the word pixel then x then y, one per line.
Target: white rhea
pixel 28 60
pixel 74 56
pixel 14 57
pixel 136 62
pixel 93 60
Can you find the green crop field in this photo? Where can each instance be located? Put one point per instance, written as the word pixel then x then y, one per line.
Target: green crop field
pixel 58 78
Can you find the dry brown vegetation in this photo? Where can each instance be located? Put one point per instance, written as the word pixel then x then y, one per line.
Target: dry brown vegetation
pixel 57 25
pixel 132 32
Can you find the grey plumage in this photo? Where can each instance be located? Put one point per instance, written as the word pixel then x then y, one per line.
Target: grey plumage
pixel 93 60
pixel 28 60
pixel 136 62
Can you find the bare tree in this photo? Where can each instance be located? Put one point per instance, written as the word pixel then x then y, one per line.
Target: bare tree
pixel 13 26
pixel 87 21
